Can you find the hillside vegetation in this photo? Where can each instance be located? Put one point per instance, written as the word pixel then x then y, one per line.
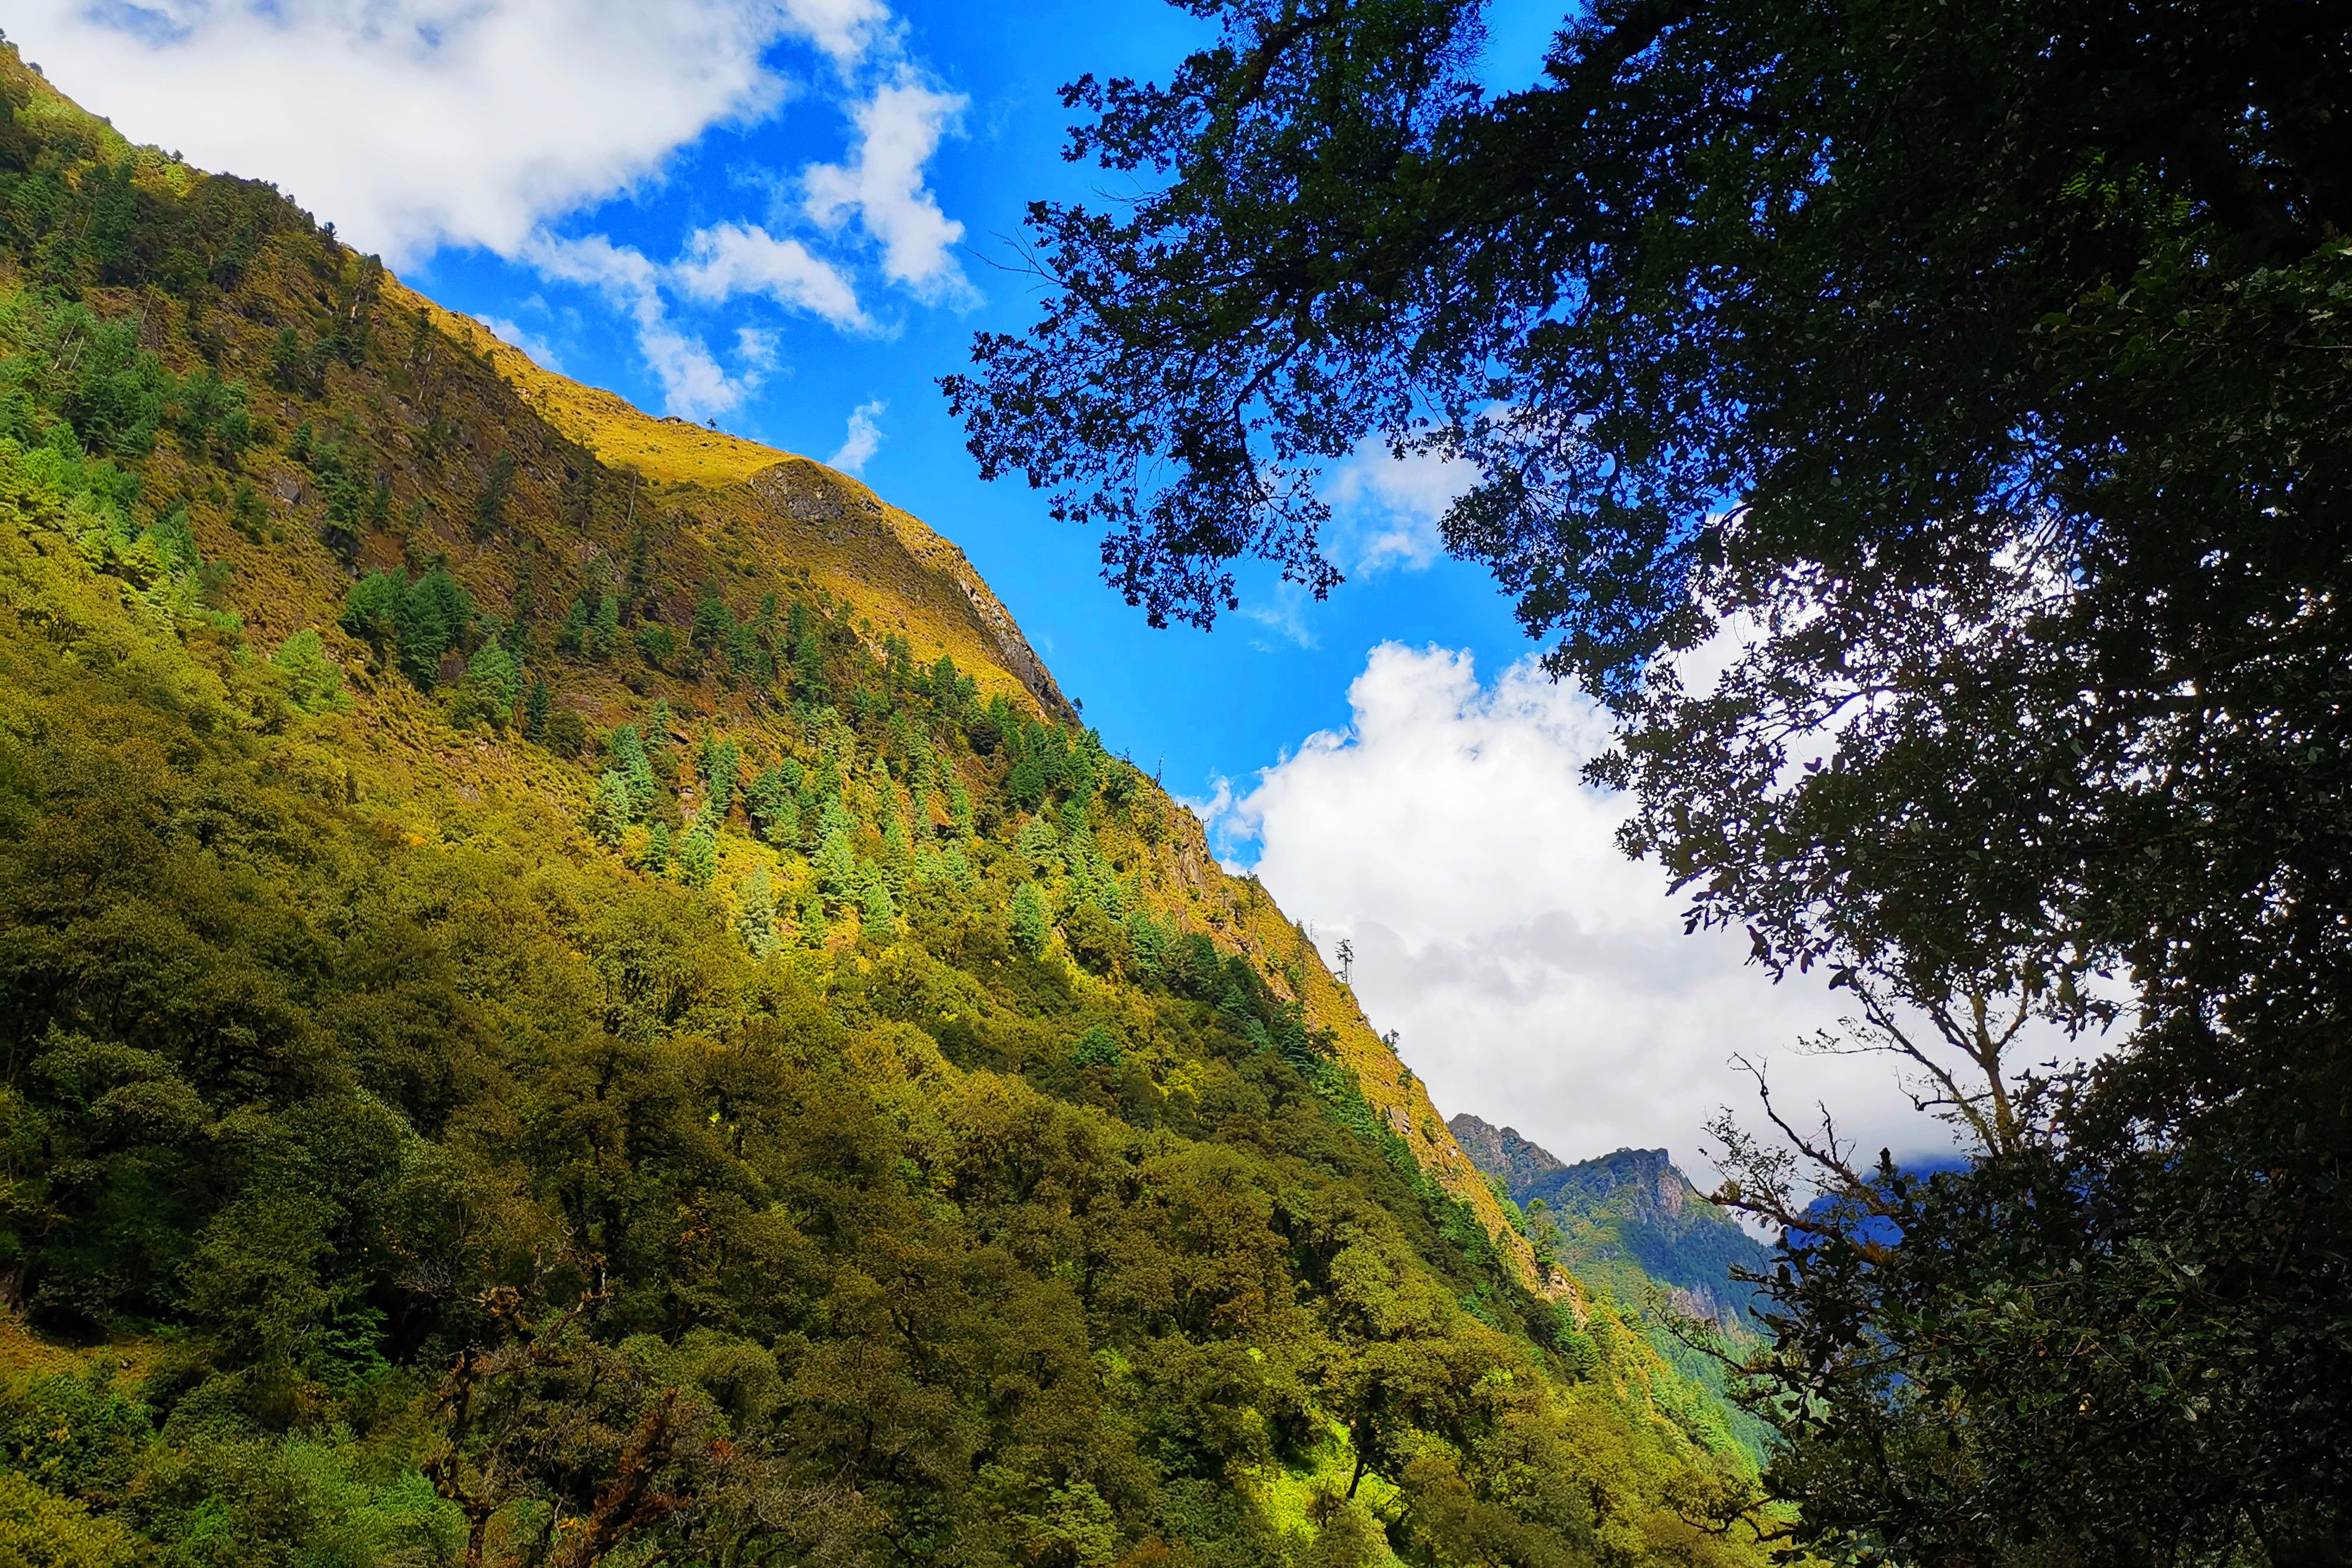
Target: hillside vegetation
pixel 572 992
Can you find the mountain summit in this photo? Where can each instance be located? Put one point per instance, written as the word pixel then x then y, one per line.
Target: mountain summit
pixel 573 993
pixel 1627 1218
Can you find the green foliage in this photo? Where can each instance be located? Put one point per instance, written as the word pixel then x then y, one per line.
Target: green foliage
pixel 1095 1048
pixel 616 807
pixel 774 805
pixel 698 853
pixel 656 644
pixel 658 852
pixel 472 1195
pixel 41 1530
pixel 314 683
pixel 492 686
pixel 755 915
pixel 636 769
pixel 1032 928
pixel 490 506
pixel 415 622
pixel 2043 727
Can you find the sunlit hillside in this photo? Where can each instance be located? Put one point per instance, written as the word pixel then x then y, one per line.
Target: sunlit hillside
pixel 575 993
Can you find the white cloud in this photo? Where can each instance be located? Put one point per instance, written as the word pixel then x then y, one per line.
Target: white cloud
pixel 417 124
pixel 845 29
pixel 882 186
pixel 756 347
pixel 1385 508
pixel 530 343
pixel 863 440
pixel 694 384
pixel 411 124
pixel 728 259
pixel 1283 614
pixel 1539 978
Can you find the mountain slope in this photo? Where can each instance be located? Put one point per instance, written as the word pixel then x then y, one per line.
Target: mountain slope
pixel 571 993
pixel 1629 1224
pixel 1629 1218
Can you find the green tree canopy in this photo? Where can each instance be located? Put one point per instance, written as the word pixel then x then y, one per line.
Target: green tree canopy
pixel 1966 380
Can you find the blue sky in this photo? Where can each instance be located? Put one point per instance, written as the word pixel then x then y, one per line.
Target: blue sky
pixel 790 217
pixel 633 167
pixel 1208 706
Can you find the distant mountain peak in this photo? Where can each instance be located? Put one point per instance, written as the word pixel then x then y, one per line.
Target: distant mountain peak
pixel 1630 1208
pixel 1501 1151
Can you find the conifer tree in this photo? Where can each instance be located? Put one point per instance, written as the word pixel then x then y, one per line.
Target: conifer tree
pixel 775 811
pixel 490 506
pixel 698 852
pixel 534 710
pixel 877 910
pixel 314 683
pixel 657 850
pixel 603 625
pixel 1031 927
pixel 628 754
pixel 493 681
pixel 614 809
pixel 1038 845
pixel 755 915
pixel 837 864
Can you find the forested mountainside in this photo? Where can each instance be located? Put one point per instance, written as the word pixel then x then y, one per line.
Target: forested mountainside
pixel 1631 1224
pixel 1625 1219
pixel 571 993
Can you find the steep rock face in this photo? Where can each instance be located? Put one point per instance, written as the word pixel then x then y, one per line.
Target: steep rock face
pixel 1624 1217
pixel 1501 1152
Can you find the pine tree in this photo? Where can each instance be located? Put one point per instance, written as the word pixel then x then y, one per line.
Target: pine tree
pixel 534 710
pixel 713 622
pixel 657 850
pixel 490 506
pixel 1037 844
pixel 877 911
pixel 698 853
pixel 628 754
pixel 755 915
pixel 836 864
pixel 314 683
pixel 1031 927
pixel 774 811
pixel 615 812
pixel 603 626
pixel 493 681
pixel 725 778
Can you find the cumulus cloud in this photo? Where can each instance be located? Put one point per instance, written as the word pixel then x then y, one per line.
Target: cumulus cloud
pixel 530 343
pixel 1385 508
pixel 882 185
pixel 411 124
pixel 694 384
pixel 1538 978
pixel 863 440
pixel 845 29
pixel 728 259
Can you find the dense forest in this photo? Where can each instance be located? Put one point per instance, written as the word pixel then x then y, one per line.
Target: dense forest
pixel 571 994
